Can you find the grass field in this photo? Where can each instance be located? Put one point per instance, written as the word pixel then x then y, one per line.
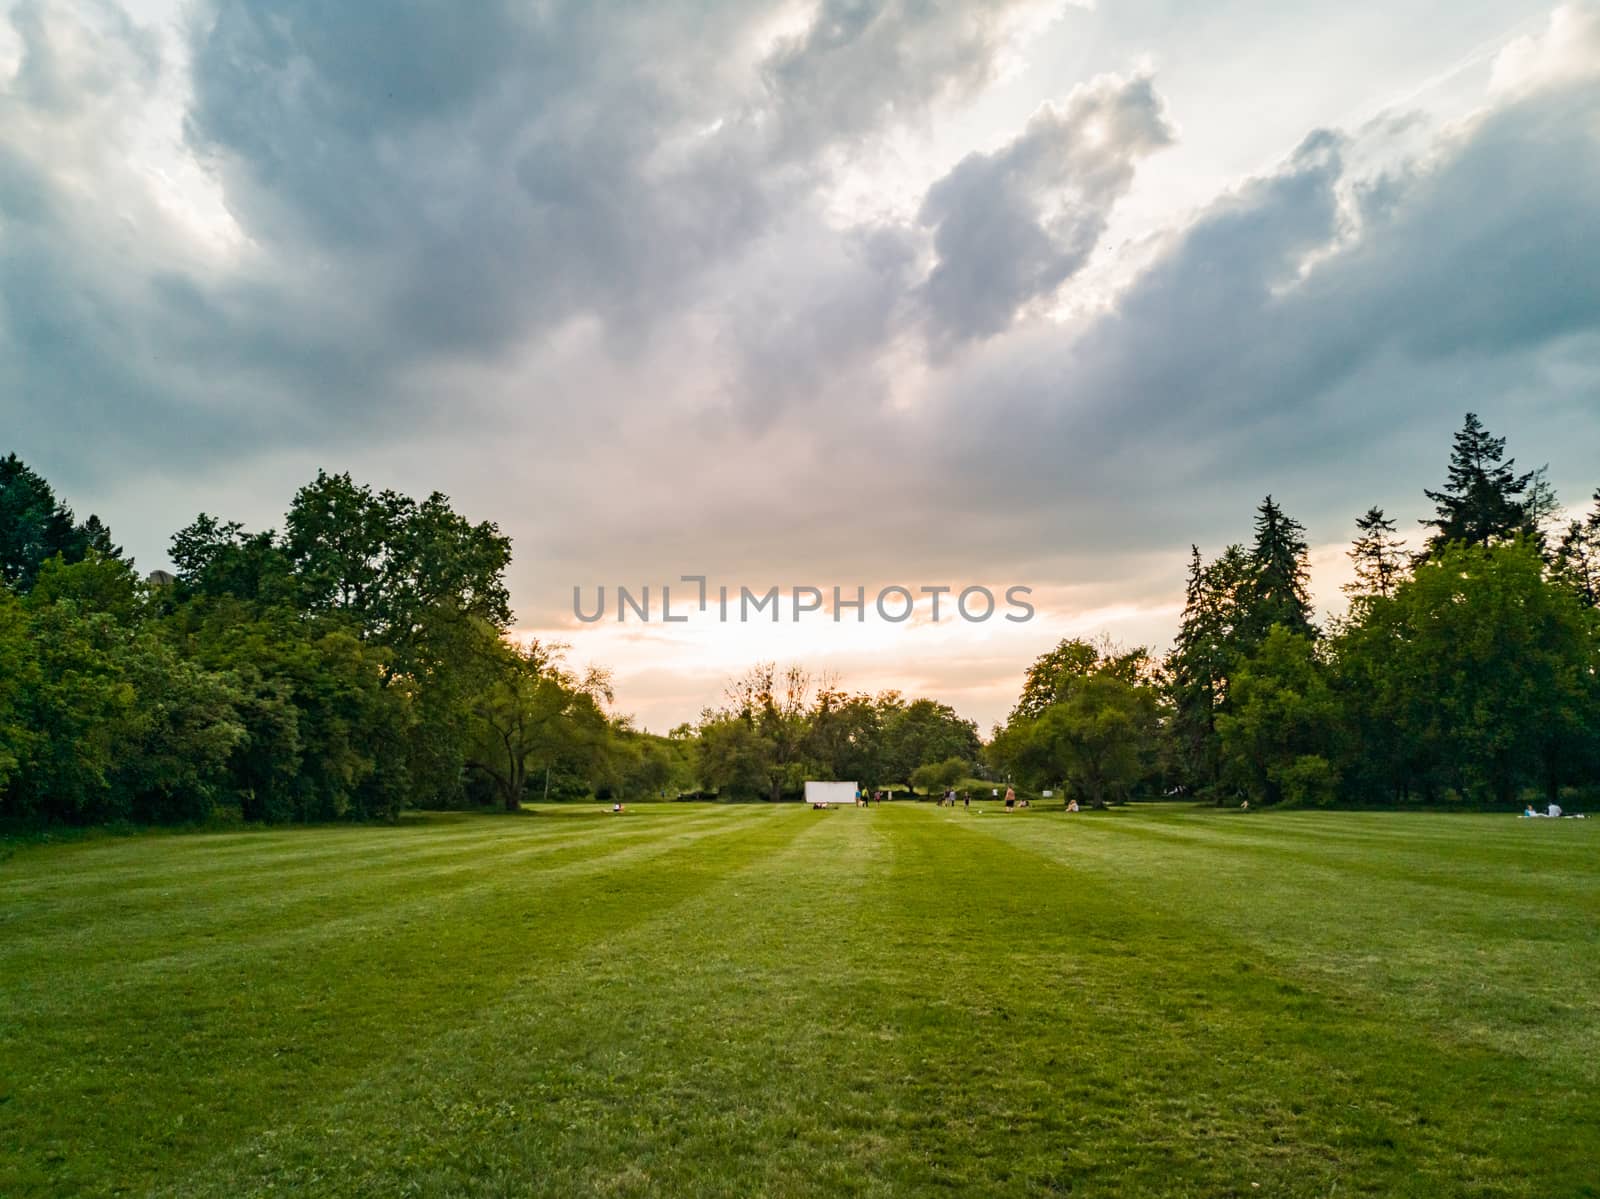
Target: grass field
pixel 756 1000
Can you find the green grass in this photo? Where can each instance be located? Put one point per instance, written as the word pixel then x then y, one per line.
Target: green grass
pixel 749 1000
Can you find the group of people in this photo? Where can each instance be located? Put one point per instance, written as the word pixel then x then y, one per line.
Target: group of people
pixel 1553 812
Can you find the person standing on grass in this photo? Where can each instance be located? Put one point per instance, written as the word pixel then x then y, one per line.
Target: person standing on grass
pixel 1011 799
pixel 966 799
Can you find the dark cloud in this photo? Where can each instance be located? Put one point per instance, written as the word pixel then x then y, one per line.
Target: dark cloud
pixel 1010 227
pixel 517 181
pixel 1292 337
pixel 418 198
pixel 584 268
pixel 861 64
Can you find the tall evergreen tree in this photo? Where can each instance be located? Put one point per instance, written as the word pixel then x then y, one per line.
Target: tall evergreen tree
pixel 1540 507
pixel 1577 558
pixel 1376 555
pixel 1280 588
pixel 1483 500
pixel 97 537
pixel 35 526
pixel 1207 650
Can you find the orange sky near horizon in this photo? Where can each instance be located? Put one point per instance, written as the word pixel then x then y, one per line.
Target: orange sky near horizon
pixel 665 674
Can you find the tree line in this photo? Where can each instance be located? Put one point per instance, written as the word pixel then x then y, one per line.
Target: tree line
pixel 777 728
pixel 353 663
pixel 360 660
pixel 1466 670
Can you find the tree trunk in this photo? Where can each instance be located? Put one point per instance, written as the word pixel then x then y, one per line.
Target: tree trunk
pixel 516 783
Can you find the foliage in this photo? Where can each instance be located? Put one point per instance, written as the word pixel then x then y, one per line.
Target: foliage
pixel 938 776
pixel 925 731
pixel 1052 673
pixel 36 527
pixel 1282 731
pixel 1483 500
pixel 1278 579
pixel 1477 676
pixel 1099 738
pixel 1577 558
pixel 18 679
pixel 775 732
pixel 1376 556
pixel 532 713
pixel 331 672
pixel 1208 648
pixel 324 737
pixel 735 760
pixel 358 662
pixel 847 736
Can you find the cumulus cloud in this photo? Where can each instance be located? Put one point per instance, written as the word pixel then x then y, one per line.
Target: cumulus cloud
pixel 1291 323
pixel 862 64
pixel 1567 49
pixel 1009 227
pixel 581 270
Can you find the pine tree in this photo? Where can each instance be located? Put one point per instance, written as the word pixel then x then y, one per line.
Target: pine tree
pixel 1540 507
pixel 1483 500
pixel 97 537
pixel 1376 555
pixel 1204 655
pixel 1577 558
pixel 35 526
pixel 1280 589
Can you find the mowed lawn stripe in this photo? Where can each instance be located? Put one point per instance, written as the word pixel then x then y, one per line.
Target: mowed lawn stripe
pixel 1515 976
pixel 889 1008
pixel 152 863
pixel 1495 960
pixel 395 900
pixel 1480 849
pixel 686 1054
pixel 901 1000
pixel 1212 1061
pixel 198 1052
pixel 1435 885
pixel 270 898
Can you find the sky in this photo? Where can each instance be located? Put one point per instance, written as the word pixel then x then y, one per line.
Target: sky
pixel 848 293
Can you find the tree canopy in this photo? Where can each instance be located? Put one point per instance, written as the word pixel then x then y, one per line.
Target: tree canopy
pixel 359 659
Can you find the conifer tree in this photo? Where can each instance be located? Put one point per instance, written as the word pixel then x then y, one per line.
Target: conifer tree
pixel 1376 555
pixel 1577 558
pixel 1204 655
pixel 1280 589
pixel 1483 500
pixel 35 526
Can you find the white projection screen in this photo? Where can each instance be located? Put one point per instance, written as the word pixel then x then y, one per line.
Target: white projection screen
pixel 830 793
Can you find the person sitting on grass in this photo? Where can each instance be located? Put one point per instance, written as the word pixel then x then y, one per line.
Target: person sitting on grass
pixel 1072 805
pixel 616 807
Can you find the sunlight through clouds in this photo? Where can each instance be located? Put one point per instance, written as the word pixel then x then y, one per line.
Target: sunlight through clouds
pixel 1015 290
